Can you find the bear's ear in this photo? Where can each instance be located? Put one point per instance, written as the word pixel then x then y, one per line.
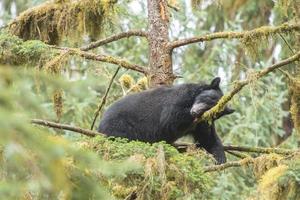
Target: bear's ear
pixel 215 83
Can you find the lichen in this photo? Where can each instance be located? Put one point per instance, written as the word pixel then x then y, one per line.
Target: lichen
pixel 294 88
pixel 58 103
pixel 264 163
pixel 281 182
pixel 52 22
pixel 129 85
pixel 255 39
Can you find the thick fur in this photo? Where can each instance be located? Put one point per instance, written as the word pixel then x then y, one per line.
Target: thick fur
pixel 164 114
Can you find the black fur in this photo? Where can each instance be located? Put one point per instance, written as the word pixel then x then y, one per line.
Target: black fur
pixel 165 114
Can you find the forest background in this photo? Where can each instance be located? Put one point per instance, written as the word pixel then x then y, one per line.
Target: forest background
pixel 62 60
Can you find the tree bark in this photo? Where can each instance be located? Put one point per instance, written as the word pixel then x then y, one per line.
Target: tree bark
pixel 160 54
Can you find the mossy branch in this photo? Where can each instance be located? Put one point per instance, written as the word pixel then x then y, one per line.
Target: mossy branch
pixel 238 86
pixel 242 162
pixel 104 58
pixel 266 150
pixel 259 149
pixel 262 31
pixel 113 38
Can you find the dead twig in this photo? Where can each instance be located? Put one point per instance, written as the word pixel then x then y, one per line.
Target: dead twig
pixel 103 100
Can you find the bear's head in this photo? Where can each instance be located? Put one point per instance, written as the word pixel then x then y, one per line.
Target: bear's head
pixel 208 98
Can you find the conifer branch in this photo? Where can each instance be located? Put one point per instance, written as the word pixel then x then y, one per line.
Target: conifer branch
pixel 239 163
pixel 265 150
pixel 238 86
pixel 113 38
pixel 235 34
pixel 55 125
pixel 104 58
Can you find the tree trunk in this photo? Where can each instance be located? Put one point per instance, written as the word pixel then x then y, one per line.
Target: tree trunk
pixel 160 55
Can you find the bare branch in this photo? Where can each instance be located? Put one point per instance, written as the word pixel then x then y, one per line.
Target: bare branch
pixel 65 127
pixel 234 34
pixel 103 100
pixel 113 38
pixel 208 115
pixel 104 58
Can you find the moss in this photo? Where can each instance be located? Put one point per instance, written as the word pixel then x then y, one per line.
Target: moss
pixel 281 182
pixel 283 6
pixel 51 22
pixel 166 174
pixel 129 85
pixel 253 40
pixel 16 52
pixel 264 163
pixel 126 81
pixel 58 103
pixel 295 102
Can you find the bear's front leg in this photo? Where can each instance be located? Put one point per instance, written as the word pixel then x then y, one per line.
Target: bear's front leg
pixel 217 150
pixel 206 137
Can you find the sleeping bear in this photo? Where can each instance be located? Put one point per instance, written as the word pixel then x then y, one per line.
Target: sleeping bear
pixel 167 113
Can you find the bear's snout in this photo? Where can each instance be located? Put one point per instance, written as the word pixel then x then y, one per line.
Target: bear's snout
pixel 198 109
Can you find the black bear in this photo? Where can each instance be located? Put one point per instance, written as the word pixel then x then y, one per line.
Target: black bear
pixel 166 114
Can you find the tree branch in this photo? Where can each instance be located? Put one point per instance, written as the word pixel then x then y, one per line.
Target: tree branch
pixel 235 34
pixel 114 37
pixel 258 149
pixel 65 127
pixel 183 145
pixel 103 100
pixel 208 115
pixel 239 163
pixel 104 58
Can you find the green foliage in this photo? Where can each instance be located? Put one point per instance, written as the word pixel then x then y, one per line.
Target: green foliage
pixel 34 163
pixel 39 163
pixel 16 52
pixel 166 174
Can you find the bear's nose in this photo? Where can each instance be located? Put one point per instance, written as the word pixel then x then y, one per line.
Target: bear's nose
pixel 193 113
pixel 198 109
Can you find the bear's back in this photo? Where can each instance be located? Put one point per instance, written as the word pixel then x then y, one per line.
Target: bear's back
pixel 137 116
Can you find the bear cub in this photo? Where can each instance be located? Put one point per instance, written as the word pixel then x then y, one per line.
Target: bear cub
pixel 167 113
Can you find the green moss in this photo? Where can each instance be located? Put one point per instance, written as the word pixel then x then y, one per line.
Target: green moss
pixel 295 102
pixel 255 39
pixel 52 22
pixel 281 182
pixel 176 176
pixel 16 52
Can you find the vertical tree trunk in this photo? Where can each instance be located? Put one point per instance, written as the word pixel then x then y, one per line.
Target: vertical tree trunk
pixel 160 55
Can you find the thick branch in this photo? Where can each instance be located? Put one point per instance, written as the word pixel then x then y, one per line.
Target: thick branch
pixel 65 127
pixel 104 58
pixel 235 34
pixel 208 115
pixel 114 38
